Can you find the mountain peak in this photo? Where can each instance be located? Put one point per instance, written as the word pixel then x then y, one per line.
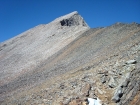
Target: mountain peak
pixel 72 19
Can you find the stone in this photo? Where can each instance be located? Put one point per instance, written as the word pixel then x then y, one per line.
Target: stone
pixel 127 75
pixel 131 62
pixel 103 79
pixel 118 94
pixel 62 86
pixel 85 78
pixel 92 95
pixel 129 87
pixel 125 83
pixel 130 67
pixel 85 90
pixel 112 83
pixel 72 19
pixel 138 48
pixel 66 101
pixel 116 98
pixel 99 91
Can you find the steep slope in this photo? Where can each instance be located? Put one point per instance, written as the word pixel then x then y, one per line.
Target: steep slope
pixel 93 64
pixel 26 51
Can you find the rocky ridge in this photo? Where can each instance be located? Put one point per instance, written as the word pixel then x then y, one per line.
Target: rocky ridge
pixel 101 64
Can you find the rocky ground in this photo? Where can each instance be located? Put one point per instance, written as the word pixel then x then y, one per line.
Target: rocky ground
pixel 101 63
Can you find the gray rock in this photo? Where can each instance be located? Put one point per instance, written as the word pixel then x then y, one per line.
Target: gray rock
pixel 118 94
pixel 130 67
pixel 92 95
pixel 116 98
pixel 125 83
pixel 103 79
pixel 67 101
pixel 112 83
pixel 138 48
pixel 127 75
pixel 131 62
pixel 130 86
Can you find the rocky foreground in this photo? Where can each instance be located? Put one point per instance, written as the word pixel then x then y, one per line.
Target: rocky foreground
pixel 67 63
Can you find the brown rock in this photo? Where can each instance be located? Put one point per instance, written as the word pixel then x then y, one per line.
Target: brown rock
pixel 85 90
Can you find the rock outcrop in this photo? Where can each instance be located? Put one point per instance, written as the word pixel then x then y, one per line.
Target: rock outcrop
pixel 67 63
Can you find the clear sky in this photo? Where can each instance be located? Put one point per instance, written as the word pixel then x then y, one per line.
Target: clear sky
pixel 17 16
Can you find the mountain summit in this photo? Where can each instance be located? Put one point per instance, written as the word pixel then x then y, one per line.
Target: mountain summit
pixel 65 62
pixel 72 19
pixel 26 51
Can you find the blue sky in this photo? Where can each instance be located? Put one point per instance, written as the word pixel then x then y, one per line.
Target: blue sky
pixel 17 16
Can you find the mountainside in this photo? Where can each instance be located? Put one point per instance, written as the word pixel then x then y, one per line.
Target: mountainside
pixel 27 50
pixel 65 63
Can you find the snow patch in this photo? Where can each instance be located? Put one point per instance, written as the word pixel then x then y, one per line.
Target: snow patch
pixel 94 101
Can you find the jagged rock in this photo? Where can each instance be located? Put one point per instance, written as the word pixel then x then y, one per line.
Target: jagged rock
pixel 73 19
pixel 129 87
